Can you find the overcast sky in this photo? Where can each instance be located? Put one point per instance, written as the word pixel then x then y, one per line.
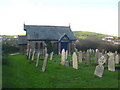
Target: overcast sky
pixel 83 15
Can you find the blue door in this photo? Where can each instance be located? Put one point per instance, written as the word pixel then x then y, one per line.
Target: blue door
pixel 64 45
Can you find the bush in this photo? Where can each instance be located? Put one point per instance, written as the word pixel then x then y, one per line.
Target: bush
pixel 96 43
pixel 6 49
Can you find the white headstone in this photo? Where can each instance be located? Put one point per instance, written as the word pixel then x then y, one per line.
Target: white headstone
pixel 45 51
pixel 29 54
pixel 117 59
pixel 66 54
pixel 111 62
pixel 63 57
pixel 75 61
pixel 45 63
pixel 38 58
pixel 51 55
pixel 33 55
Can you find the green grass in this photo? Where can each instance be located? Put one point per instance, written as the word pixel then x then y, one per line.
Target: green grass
pixel 85 34
pixel 22 73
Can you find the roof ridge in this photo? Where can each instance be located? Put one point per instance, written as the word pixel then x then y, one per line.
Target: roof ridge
pixel 49 26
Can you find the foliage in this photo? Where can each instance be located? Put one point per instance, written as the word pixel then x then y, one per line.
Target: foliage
pixel 22 73
pixel 96 43
pixel 6 49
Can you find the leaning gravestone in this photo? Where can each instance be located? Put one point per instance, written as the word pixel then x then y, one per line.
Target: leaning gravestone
pixel 117 59
pixel 80 57
pixel 38 58
pixel 63 57
pixel 33 55
pixel 29 54
pixel 75 61
pixel 111 62
pixel 51 55
pixel 88 57
pixel 100 68
pixel 44 63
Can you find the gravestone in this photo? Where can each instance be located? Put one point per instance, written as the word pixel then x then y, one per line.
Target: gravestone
pixel 45 63
pixel 111 62
pixel 71 62
pixel 67 63
pixel 45 51
pixel 87 57
pixel 106 56
pixel 75 61
pixel 97 56
pixel 51 55
pixel 63 57
pixel 66 54
pixel 80 57
pixel 100 68
pixel 29 54
pixel 117 59
pixel 38 58
pixel 33 55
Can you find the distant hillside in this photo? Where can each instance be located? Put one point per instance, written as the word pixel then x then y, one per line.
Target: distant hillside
pixel 85 34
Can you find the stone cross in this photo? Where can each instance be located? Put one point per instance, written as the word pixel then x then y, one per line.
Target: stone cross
pixel 45 63
pixel 88 57
pixel 33 55
pixel 111 62
pixel 29 54
pixel 75 61
pixel 100 68
pixel 66 54
pixel 63 58
pixel 80 57
pixel 51 55
pixel 117 59
pixel 38 58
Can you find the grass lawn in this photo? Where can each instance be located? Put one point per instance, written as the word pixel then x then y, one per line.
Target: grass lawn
pixel 19 72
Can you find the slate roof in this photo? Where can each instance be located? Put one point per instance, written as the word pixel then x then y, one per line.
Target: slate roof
pixel 35 32
pixel 22 40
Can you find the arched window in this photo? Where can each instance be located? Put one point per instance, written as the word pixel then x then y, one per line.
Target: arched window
pixel 36 45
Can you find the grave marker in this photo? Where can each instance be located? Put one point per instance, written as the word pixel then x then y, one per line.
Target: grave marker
pixel 51 55
pixel 38 58
pixel 33 55
pixel 29 54
pixel 88 57
pixel 111 62
pixel 44 63
pixel 80 57
pixel 63 57
pixel 117 59
pixel 75 61
pixel 100 68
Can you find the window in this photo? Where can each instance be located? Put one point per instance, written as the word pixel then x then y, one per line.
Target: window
pixel 36 45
